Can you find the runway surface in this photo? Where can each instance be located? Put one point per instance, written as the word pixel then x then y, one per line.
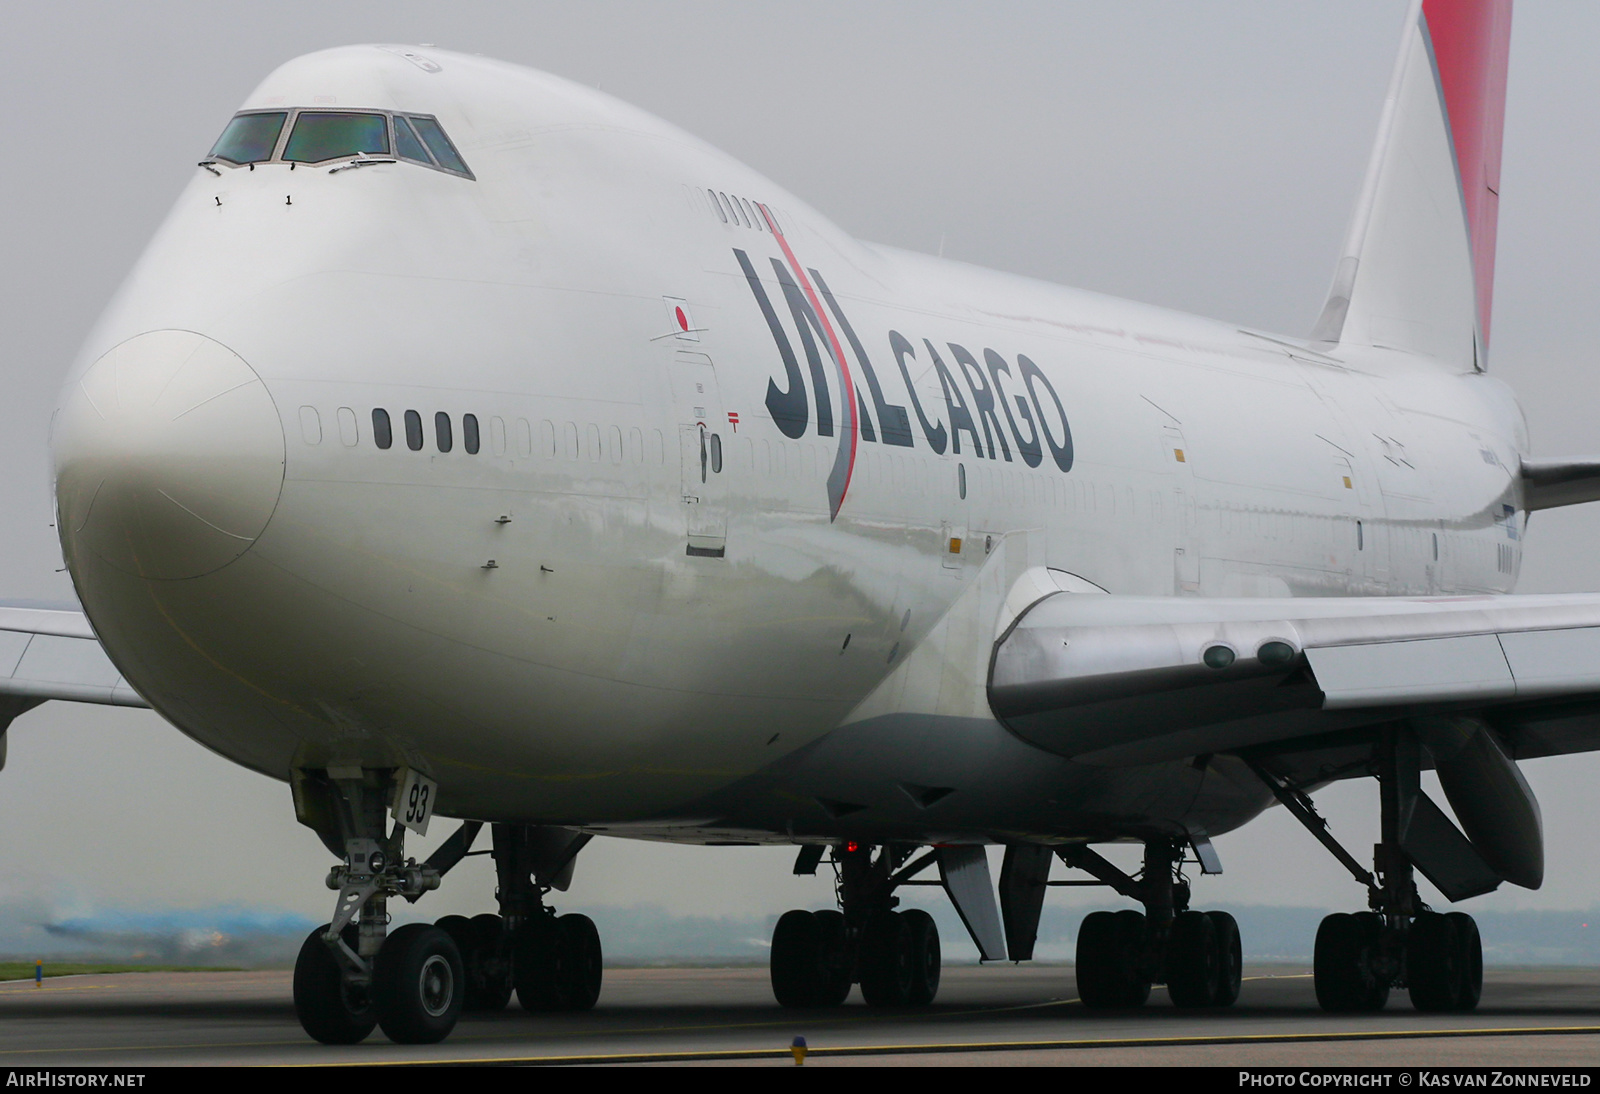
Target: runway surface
pixel 1005 1015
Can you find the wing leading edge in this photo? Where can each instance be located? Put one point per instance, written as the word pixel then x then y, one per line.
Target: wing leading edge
pixel 1307 691
pixel 50 651
pixel 1124 680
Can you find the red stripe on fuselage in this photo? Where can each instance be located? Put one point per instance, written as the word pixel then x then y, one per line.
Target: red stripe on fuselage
pixel 849 394
pixel 1471 42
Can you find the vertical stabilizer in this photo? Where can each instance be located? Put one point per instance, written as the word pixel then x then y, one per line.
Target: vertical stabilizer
pixel 1417 272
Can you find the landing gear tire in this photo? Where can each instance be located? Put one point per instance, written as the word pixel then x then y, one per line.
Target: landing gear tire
pixel 418 985
pixel 579 966
pixel 330 1010
pixel 494 963
pixel 836 972
pixel 1471 958
pixel 888 964
pixel 556 963
pixel 795 959
pixel 488 979
pixel 1230 959
pixel 1193 962
pixel 535 964
pixel 459 928
pixel 1345 965
pixel 926 959
pixel 1110 948
pixel 1444 962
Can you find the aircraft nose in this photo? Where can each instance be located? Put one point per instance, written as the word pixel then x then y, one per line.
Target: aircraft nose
pixel 169 457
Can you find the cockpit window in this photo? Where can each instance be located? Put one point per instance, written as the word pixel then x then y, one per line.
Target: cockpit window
pixel 407 144
pixel 444 153
pixel 317 137
pixel 322 136
pixel 249 138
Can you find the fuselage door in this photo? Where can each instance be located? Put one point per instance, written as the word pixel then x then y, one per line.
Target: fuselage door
pixel 1185 549
pixel 700 451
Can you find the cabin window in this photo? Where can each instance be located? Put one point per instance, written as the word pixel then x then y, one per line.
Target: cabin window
pixel 348 434
pixel 310 425
pixel 469 433
pixel 326 136
pixel 250 138
pixel 1360 538
pixel 716 454
pixel 722 214
pixel 961 480
pixel 441 431
pixel 413 431
pixel 381 433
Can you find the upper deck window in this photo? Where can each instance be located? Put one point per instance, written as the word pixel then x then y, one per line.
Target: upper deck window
pixel 250 138
pixel 327 136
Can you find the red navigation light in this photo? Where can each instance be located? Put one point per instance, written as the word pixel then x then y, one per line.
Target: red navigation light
pixel 852 846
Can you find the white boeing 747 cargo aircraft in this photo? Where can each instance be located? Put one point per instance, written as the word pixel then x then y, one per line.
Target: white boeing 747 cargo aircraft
pixel 470 444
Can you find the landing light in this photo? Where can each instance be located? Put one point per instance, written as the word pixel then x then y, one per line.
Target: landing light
pixel 1275 654
pixel 1218 657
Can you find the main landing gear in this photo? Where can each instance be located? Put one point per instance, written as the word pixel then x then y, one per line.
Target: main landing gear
pixel 550 962
pixel 1121 954
pixel 1400 941
pixel 353 974
pixel 894 955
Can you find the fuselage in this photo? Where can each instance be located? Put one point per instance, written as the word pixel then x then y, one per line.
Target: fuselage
pixel 693 479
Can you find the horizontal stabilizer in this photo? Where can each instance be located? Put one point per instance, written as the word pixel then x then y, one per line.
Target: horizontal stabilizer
pixel 1549 484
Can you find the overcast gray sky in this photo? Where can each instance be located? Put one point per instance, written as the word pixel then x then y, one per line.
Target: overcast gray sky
pixel 1201 156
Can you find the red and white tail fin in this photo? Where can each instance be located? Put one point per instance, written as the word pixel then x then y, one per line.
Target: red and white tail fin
pixel 1417 272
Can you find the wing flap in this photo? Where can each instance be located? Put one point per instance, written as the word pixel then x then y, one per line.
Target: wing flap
pixel 1427 670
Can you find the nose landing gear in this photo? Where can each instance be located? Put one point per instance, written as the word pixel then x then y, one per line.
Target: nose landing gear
pixel 354 975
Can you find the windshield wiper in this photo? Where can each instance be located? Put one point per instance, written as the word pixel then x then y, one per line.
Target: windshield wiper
pixel 361 162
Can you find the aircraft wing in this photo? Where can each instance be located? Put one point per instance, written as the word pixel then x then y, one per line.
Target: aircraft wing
pixel 1113 680
pixel 49 651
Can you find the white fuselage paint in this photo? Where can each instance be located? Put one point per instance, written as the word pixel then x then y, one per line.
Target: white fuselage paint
pixel 599 674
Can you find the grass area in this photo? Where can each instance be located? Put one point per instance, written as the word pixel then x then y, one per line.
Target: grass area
pixel 23 970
